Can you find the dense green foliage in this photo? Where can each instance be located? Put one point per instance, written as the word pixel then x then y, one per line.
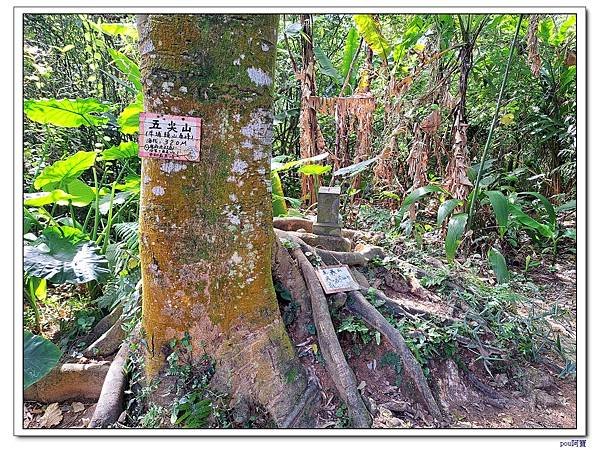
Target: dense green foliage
pixel 83 97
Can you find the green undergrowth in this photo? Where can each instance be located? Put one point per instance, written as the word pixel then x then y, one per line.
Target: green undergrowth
pixel 192 401
pixel 503 324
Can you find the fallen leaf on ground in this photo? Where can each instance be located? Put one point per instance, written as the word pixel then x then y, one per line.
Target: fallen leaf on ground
pixel 77 407
pixel 53 416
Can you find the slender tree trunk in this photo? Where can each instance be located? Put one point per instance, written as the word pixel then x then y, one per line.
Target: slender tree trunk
pixel 206 226
pixel 309 128
pixel 457 181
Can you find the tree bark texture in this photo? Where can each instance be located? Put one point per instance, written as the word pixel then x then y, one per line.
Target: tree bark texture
pixel 206 226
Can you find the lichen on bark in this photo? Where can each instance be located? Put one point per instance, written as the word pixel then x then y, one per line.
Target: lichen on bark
pixel 206 226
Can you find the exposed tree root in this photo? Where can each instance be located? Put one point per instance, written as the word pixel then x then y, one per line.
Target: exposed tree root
pixel 286 272
pixel 400 309
pixel 362 308
pixel 327 256
pixel 304 406
pixel 490 396
pixel 110 402
pixel 293 224
pixel 299 223
pixel 335 362
pixel 108 343
pixel 69 382
pixel 103 325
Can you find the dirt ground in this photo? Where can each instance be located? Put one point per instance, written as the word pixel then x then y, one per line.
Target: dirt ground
pixel 525 396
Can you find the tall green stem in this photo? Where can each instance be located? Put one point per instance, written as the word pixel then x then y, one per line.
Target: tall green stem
pixel 34 305
pixel 493 124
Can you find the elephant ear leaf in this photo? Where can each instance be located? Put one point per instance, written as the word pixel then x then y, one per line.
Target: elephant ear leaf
pixel 129 119
pixel 62 172
pixel 122 151
pixel 69 113
pixel 61 257
pixel 40 356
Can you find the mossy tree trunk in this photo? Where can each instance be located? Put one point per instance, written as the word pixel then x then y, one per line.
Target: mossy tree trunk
pixel 206 227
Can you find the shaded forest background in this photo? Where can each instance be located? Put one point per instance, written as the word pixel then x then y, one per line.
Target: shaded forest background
pixel 406 143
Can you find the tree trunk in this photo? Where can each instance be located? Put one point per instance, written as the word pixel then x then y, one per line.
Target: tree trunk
pixel 206 226
pixel 311 141
pixel 457 181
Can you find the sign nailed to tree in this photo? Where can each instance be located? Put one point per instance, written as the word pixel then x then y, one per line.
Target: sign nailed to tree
pixel 170 137
pixel 336 279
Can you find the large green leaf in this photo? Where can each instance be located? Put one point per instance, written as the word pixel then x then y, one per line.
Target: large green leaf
pixel 528 222
pixel 278 199
pixel 550 211
pixel 40 356
pixel 500 205
pixel 129 68
pixel 62 256
pixel 82 194
pixel 369 29
pixel 326 65
pixel 66 112
pixel 76 193
pixel 64 171
pixel 278 163
pixel 413 31
pixel 417 195
pixel 124 150
pixel 354 169
pixel 46 198
pixel 456 228
pixel 446 209
pixel 120 29
pixel 350 47
pixel 563 29
pixel 129 119
pixel 498 264
pixel 314 169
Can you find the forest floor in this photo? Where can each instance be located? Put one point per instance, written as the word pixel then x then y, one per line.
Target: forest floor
pixel 522 395
pixel 478 386
pixel 481 378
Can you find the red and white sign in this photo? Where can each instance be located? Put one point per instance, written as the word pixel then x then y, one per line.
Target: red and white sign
pixel 170 137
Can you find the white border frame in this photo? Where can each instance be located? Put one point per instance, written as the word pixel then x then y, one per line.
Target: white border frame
pixel 582 385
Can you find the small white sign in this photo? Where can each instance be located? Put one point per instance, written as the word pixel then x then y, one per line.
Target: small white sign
pixel 170 137
pixel 336 279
